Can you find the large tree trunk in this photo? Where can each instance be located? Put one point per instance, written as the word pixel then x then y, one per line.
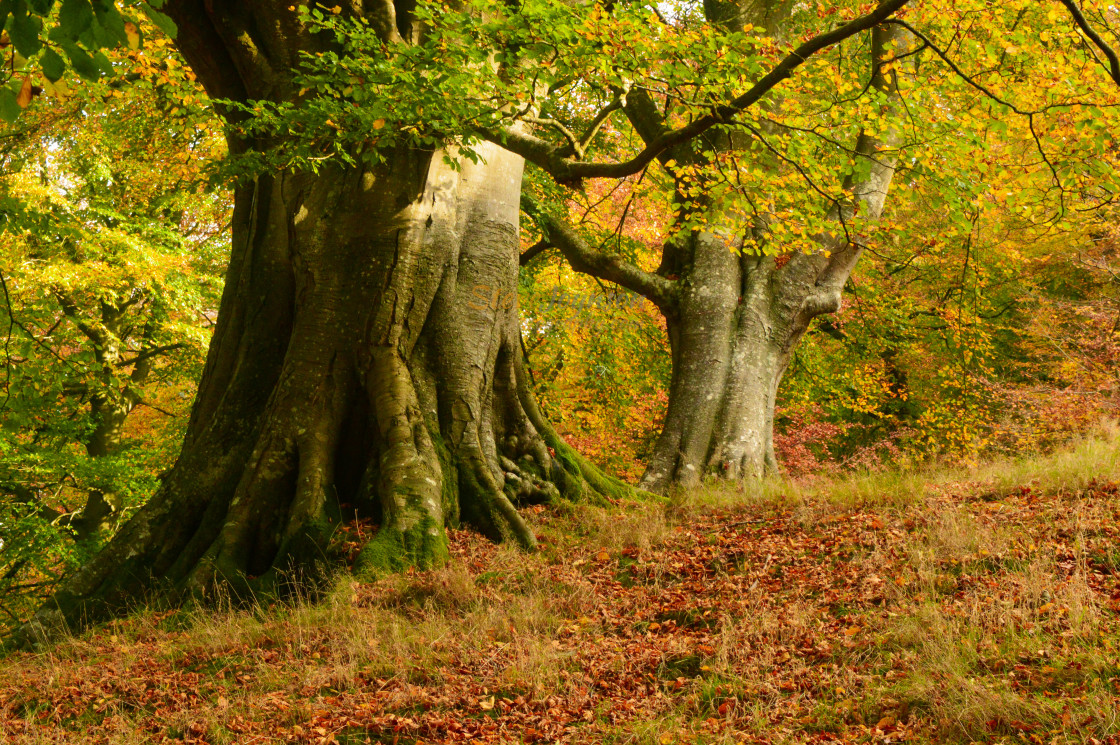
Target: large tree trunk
pixel 727 361
pixel 366 362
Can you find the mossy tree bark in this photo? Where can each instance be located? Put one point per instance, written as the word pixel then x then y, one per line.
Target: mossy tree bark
pixel 111 404
pixel 366 361
pixel 733 318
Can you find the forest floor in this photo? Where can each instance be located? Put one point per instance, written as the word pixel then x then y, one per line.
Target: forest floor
pixel 951 606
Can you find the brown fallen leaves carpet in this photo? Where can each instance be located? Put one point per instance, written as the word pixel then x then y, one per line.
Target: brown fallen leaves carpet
pixel 990 618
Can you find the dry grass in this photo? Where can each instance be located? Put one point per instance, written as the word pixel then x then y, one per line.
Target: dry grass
pixel 956 605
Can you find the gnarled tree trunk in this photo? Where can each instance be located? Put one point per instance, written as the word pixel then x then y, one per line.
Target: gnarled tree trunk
pixel 366 361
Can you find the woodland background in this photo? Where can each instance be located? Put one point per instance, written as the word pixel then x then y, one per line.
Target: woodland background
pixel 981 325
pixel 938 560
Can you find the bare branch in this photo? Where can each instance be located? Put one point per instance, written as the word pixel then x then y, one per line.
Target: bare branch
pixel 597 123
pixel 559 127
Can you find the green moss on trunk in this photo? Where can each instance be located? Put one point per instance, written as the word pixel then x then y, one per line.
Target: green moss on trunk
pixel 424 545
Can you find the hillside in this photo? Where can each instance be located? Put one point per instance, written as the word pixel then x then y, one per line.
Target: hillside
pixel 950 606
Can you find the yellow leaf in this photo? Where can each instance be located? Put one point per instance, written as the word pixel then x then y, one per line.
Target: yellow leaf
pixel 378 123
pixel 133 35
pixel 486 703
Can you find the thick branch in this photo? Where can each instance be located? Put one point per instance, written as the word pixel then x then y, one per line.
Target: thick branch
pixel 149 353
pixel 22 495
pixel 610 267
pixel 1098 41
pixel 534 251
pixel 94 332
pixel 645 116
pixel 568 170
pixel 830 268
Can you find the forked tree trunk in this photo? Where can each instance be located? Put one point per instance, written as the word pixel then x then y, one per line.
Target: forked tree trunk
pixel 734 319
pixel 738 317
pixel 728 357
pixel 366 361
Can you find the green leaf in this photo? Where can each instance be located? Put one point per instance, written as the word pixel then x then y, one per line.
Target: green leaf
pixel 24 31
pixel 54 67
pixel 75 17
pixel 162 22
pixel 5 10
pixel 103 63
pixel 109 30
pixel 9 109
pixel 82 63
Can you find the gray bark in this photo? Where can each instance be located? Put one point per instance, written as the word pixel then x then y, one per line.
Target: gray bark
pixel 740 319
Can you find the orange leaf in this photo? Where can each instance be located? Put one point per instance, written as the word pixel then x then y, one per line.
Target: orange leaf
pixel 24 96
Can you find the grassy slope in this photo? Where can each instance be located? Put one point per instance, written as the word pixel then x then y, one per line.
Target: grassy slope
pixel 949 606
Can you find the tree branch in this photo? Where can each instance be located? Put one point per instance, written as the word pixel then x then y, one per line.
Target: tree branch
pixel 829 269
pixel 610 267
pixel 1098 41
pixel 534 251
pixel 26 496
pixel 93 332
pixel 597 122
pixel 149 353
pixel 153 407
pixel 570 171
pixel 570 136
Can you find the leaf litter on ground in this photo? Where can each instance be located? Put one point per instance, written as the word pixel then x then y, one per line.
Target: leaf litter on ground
pixel 962 616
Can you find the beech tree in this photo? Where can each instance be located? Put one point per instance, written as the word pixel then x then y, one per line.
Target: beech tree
pixel 736 304
pixel 562 73
pixel 357 365
pixel 367 357
pixel 751 262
